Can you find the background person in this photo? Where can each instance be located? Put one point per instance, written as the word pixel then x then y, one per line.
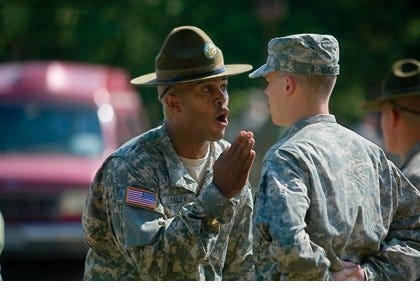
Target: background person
pixel 174 203
pixel 330 205
pixel 400 115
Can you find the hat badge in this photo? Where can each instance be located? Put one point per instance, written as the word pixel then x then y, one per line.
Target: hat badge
pixel 210 50
pixel 400 72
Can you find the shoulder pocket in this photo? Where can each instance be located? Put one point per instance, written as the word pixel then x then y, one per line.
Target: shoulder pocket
pixel 140 225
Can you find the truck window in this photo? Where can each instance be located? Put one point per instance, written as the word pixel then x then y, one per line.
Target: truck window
pixel 50 128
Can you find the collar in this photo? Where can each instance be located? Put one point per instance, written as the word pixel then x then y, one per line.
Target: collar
pixel 308 121
pixel 178 174
pixel 410 155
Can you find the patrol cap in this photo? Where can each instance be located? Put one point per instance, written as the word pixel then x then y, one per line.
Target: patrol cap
pixel 402 81
pixel 188 54
pixel 310 54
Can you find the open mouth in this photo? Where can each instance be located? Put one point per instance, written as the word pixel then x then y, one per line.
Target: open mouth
pixel 222 118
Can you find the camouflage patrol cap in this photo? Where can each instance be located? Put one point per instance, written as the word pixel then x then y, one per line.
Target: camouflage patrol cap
pixel 188 54
pixel 310 54
pixel 402 81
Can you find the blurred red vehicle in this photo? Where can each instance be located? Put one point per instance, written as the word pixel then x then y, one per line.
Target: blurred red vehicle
pixel 58 121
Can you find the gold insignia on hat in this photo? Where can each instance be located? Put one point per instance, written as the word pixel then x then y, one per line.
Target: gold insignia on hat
pixel 398 68
pixel 210 50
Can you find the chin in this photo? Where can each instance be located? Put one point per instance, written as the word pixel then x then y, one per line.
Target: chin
pixel 217 136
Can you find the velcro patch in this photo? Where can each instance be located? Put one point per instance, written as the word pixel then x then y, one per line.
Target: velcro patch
pixel 141 198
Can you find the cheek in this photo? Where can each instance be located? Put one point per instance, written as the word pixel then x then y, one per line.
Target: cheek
pixel 275 109
pixel 271 94
pixel 275 100
pixel 201 112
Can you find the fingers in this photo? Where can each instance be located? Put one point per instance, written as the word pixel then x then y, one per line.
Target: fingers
pixel 249 160
pixel 348 263
pixel 343 274
pixel 360 274
pixel 346 272
pixel 352 278
pixel 232 168
pixel 241 147
pixel 234 145
pixel 240 142
pixel 351 273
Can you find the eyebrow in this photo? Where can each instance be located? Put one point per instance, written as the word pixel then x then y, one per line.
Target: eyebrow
pixel 210 80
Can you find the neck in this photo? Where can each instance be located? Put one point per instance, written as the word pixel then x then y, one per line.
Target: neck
pixel 310 109
pixel 408 135
pixel 185 146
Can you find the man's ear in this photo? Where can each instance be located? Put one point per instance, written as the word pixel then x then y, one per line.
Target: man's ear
pixel 290 84
pixel 172 102
pixel 395 116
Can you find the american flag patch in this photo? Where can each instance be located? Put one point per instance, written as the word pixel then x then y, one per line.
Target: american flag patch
pixel 140 197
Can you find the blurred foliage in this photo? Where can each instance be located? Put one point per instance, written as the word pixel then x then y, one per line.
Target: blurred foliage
pixel 128 34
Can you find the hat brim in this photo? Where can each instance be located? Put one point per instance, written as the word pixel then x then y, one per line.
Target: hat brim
pixel 151 79
pixel 376 105
pixel 373 105
pixel 261 71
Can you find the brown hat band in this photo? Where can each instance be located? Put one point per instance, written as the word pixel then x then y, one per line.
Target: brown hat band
pixel 404 108
pixel 173 76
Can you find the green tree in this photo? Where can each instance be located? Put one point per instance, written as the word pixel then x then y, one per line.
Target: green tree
pixel 372 34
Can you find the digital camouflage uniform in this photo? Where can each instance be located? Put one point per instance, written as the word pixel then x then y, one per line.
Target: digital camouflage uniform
pixel 191 233
pixel 327 194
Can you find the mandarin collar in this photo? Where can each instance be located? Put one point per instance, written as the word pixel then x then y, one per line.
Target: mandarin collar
pixel 309 120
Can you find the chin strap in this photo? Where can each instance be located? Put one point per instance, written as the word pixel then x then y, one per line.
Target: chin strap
pixel 404 109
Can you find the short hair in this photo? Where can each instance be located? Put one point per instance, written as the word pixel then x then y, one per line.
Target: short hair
pixel 318 85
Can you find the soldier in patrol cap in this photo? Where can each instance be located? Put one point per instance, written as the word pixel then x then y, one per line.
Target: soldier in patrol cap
pixel 399 105
pixel 330 206
pixel 175 203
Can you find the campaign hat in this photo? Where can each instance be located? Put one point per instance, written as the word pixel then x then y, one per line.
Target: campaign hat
pixel 188 54
pixel 401 82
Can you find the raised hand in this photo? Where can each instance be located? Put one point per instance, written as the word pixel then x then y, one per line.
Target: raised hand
pixel 350 272
pixel 231 170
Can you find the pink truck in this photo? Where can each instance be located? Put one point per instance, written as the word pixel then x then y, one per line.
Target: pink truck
pixel 58 121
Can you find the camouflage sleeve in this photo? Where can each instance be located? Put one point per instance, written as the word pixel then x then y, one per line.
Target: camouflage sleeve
pixel 105 259
pixel 399 256
pixel 283 248
pixel 415 180
pixel 239 264
pixel 212 201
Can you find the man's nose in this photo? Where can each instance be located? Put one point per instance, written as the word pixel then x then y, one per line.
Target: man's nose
pixel 222 97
